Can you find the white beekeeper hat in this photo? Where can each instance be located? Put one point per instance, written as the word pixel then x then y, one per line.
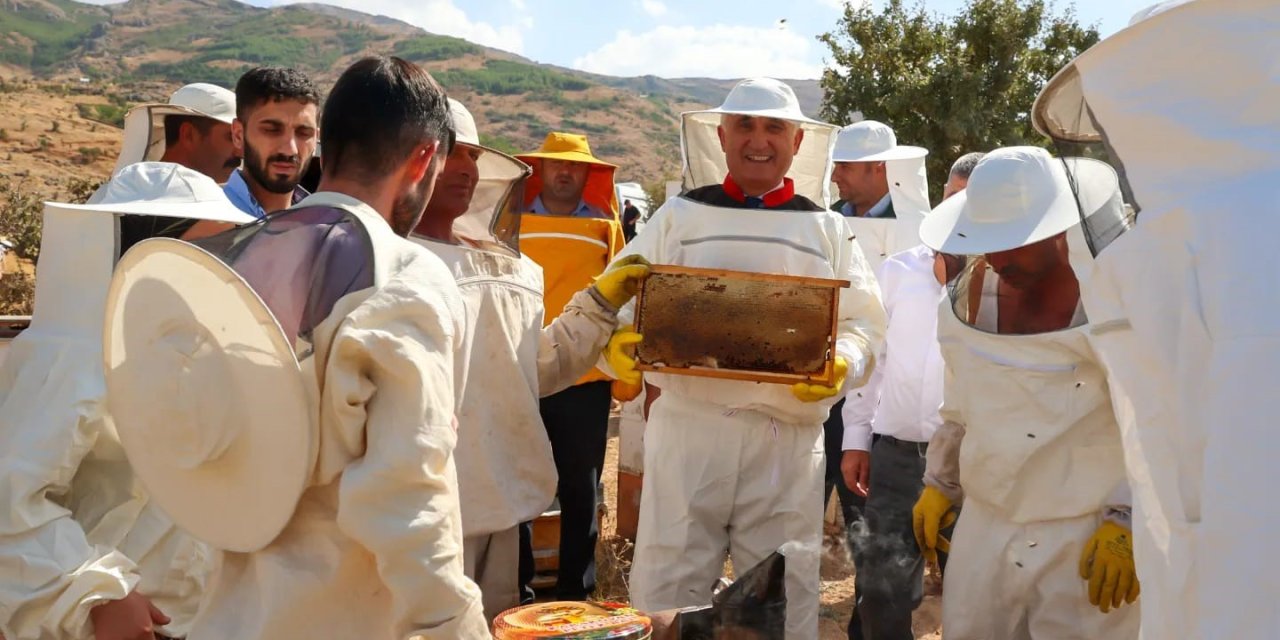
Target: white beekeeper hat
pixel 494 212
pixel 704 162
pixel 871 141
pixel 1019 196
pixel 144 124
pixel 202 99
pixel 205 392
pixel 164 189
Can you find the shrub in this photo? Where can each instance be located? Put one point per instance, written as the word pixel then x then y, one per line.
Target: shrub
pixel 431 48
pixel 505 77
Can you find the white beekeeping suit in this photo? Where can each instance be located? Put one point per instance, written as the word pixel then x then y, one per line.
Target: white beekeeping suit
pixel 885 235
pixel 1184 304
pixel 1027 412
pixel 285 390
pixel 732 465
pixel 78 528
pixel 506 473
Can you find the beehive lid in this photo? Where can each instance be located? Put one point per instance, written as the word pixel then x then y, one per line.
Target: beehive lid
pixel 572 620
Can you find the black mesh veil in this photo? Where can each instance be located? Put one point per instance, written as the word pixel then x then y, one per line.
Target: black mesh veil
pixel 300 262
pixel 1062 113
pixel 1034 288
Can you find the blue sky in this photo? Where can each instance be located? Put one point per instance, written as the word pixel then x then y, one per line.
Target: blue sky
pixel 670 38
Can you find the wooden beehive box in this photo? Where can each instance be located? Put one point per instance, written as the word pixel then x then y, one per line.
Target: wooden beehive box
pixel 738 325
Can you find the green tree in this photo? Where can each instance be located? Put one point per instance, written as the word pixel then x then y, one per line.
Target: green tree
pixel 949 84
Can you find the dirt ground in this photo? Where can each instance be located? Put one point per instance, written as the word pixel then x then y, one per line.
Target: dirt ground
pixel 614 553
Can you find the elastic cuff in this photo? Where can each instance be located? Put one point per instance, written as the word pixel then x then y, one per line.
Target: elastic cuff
pixel 601 300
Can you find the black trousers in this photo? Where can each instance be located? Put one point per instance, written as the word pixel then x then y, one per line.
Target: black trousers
pixel 890 570
pixel 851 504
pixel 577 421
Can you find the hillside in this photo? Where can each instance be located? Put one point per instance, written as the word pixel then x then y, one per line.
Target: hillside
pixel 143 49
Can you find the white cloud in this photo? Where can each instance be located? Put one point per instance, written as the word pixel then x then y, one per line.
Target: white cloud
pixel 717 51
pixel 440 16
pixel 654 8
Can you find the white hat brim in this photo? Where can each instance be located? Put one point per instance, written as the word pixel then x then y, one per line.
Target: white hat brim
pixel 216 211
pixel 950 227
pixel 194 357
pixel 165 109
pixel 900 152
pixel 780 114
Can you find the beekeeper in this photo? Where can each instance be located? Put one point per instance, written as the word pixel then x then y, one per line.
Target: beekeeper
pixel 84 552
pixel 883 188
pixel 192 129
pixel 286 390
pixel 1029 434
pixel 1184 304
pixel 738 466
pixel 506 474
pixel 572 231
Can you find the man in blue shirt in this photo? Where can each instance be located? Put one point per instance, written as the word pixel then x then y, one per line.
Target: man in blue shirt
pixel 276 132
pixel 860 174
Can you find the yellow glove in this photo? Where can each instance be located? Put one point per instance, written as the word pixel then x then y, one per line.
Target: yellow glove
pixel 815 392
pixel 621 281
pixel 932 514
pixel 1107 563
pixel 616 353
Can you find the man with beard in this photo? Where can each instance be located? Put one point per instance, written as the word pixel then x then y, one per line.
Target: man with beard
pixel 275 131
pixel 506 472
pixel 324 476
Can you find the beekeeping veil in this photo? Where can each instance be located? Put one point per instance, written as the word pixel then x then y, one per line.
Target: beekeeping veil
pixel 704 162
pixel 1017 197
pixel 871 141
pixel 1183 103
pixel 211 364
pixel 144 124
pixel 493 218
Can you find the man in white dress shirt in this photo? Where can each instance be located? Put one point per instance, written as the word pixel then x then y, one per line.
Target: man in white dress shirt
pixel 888 424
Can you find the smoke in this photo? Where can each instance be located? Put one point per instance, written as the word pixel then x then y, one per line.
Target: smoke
pixel 795 549
pixel 890 568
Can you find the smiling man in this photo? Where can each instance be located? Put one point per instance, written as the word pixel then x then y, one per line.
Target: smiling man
pixel 738 466
pixel 275 131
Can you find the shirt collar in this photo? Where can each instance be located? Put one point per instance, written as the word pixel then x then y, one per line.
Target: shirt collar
pixel 877 210
pixel 237 191
pixel 584 210
pixel 880 207
pixel 779 196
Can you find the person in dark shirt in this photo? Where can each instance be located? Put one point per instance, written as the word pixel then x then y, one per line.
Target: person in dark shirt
pixel 630 216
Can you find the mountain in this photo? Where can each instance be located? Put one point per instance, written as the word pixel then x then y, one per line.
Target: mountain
pixel 143 49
